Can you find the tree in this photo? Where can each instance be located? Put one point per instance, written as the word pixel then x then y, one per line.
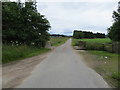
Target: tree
pixel 99 35
pixel 24 24
pixel 88 34
pixel 78 34
pixel 114 30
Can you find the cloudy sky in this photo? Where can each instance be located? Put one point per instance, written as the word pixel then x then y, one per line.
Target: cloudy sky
pixel 65 17
pixel 68 15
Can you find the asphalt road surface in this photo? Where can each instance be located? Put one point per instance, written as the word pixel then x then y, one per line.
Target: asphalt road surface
pixel 63 68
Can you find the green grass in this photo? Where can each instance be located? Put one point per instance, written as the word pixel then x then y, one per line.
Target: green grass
pixel 107 66
pixel 89 41
pixel 97 40
pixel 56 41
pixel 92 44
pixel 13 53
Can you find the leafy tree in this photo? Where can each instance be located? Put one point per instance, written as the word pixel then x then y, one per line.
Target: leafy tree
pixel 23 23
pixel 114 30
pixel 78 34
pixel 99 35
pixel 88 34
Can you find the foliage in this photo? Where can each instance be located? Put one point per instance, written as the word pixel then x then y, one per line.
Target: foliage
pixel 87 34
pixel 58 35
pixel 78 34
pixel 116 75
pixel 99 35
pixel 13 53
pixel 23 24
pixel 114 30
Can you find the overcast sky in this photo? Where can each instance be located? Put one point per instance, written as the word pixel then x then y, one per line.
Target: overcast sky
pixel 68 15
pixel 65 17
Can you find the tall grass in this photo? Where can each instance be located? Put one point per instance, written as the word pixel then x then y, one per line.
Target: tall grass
pixel 13 53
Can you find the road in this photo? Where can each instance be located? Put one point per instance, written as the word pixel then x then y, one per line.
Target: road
pixel 63 68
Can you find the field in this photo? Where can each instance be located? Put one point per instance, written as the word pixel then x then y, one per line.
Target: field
pixel 92 44
pixel 96 40
pixel 56 41
pixel 105 63
pixel 13 53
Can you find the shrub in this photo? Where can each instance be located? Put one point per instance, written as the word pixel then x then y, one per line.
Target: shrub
pixel 116 75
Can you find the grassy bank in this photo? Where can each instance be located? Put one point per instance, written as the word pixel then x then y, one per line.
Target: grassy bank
pixel 56 41
pixel 106 64
pixel 13 53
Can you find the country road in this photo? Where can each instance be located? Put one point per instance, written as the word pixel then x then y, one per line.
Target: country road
pixel 63 68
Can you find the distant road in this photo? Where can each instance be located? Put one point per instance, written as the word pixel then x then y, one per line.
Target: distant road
pixel 63 68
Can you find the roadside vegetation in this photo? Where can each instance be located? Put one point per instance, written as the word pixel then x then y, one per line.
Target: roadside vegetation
pixel 56 41
pixel 24 31
pixel 13 53
pixel 104 63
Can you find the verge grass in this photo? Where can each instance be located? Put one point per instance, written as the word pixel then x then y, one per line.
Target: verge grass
pixel 104 63
pixel 13 53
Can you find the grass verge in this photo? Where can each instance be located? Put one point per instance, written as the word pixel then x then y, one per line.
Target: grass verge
pixel 13 53
pixel 104 63
pixel 56 41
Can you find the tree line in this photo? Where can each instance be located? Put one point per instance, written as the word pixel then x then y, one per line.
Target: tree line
pixel 86 34
pixel 113 31
pixel 59 35
pixel 23 24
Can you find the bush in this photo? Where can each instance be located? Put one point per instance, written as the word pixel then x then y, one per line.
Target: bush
pixel 116 75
